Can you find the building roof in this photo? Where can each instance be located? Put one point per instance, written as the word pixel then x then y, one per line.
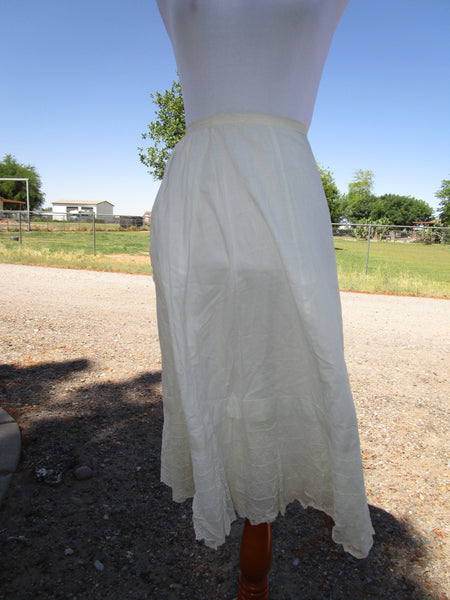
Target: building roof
pixel 82 202
pixel 6 201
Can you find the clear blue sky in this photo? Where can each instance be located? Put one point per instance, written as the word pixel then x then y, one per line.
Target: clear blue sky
pixel 76 79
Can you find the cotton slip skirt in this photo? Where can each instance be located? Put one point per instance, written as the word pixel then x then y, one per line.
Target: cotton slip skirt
pixel 258 410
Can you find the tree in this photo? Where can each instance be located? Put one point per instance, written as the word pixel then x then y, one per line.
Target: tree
pixel 444 205
pixel 400 210
pixel 168 128
pixel 360 197
pixel 16 190
pixel 334 196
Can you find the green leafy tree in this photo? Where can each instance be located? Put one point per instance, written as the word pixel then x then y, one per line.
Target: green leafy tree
pixel 16 190
pixel 332 193
pixel 360 198
pixel 444 205
pixel 400 210
pixel 168 128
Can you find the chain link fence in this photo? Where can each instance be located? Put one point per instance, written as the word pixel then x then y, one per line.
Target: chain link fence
pixel 370 256
pixel 374 232
pixel 16 223
pixel 398 259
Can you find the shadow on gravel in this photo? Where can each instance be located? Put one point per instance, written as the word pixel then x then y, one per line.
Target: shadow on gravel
pixel 26 386
pixel 118 535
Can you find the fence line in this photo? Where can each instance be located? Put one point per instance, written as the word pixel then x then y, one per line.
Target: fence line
pixel 9 219
pixel 418 233
pixel 369 256
pixel 13 222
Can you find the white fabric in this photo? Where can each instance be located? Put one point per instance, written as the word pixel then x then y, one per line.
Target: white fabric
pixel 256 56
pixel 257 405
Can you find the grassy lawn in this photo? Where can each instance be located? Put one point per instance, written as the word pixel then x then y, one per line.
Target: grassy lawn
pixel 123 251
pixel 394 267
pixel 117 242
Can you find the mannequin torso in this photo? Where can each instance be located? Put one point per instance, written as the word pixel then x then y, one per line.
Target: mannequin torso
pixel 257 56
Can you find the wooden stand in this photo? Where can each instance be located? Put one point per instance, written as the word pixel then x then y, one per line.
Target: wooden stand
pixel 255 557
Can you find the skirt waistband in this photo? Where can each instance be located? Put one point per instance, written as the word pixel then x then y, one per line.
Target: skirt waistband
pixel 248 119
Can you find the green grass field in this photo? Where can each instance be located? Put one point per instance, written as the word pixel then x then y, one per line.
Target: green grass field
pixel 123 251
pixel 394 267
pixel 114 242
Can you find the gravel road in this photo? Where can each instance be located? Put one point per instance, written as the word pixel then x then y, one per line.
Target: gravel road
pixel 80 373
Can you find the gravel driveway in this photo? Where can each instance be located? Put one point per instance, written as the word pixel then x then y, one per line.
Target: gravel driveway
pixel 80 373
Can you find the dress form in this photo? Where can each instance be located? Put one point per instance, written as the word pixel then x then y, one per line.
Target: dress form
pixel 239 59
pixel 251 56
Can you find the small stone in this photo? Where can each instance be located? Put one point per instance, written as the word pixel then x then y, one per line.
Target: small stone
pixel 76 500
pixel 370 589
pixel 68 551
pixel 296 562
pixel 83 472
pixel 99 565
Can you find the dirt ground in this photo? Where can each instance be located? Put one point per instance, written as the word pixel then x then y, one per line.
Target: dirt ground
pixel 80 372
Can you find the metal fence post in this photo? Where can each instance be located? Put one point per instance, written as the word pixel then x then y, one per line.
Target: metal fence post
pixel 93 232
pixel 20 228
pixel 368 246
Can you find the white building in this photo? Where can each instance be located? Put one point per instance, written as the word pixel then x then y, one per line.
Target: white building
pixel 75 209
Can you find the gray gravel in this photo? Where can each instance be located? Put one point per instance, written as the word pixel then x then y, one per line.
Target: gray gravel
pixel 80 373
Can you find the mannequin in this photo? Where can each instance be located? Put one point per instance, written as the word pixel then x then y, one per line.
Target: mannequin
pixel 252 56
pixel 257 405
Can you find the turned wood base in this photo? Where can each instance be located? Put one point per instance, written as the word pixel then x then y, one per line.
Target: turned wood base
pixel 254 558
pixel 249 591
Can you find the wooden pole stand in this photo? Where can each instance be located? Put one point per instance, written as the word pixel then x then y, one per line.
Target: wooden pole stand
pixel 254 559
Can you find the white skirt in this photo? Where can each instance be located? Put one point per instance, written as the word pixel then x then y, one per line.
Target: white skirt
pixel 258 410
